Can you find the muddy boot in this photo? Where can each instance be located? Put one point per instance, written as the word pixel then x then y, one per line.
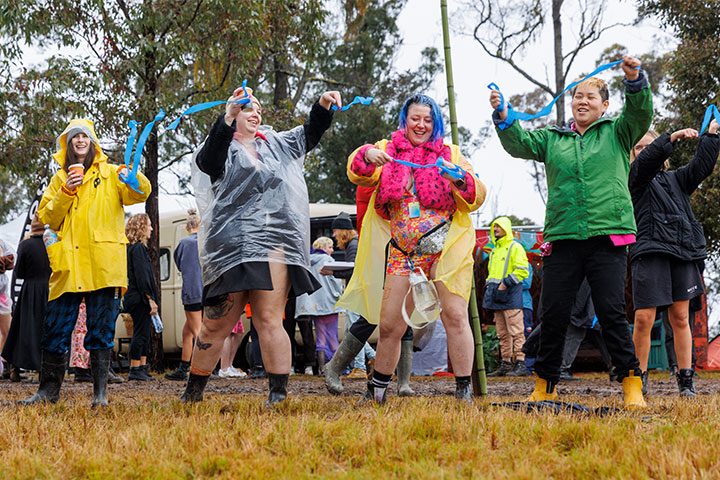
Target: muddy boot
pixel 82 375
pixel 644 378
pixel 369 397
pixel 544 390
pixel 502 370
pixel 194 388
pixel 404 368
pixel 136 374
pixel 686 382
pixel 52 372
pixel 278 389
pixel 632 392
pixel 346 352
pixel 114 377
pixel 15 375
pixel 180 373
pixel 145 369
pixel 100 366
pixel 463 391
pixel 321 363
pixel 519 370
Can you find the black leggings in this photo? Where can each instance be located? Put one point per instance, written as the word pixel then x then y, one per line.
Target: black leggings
pixel 362 330
pixel 140 342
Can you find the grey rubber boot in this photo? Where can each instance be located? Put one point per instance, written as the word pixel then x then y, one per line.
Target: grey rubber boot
pixel 346 352
pixel 52 372
pixel 100 367
pixel 194 388
pixel 321 363
pixel 404 368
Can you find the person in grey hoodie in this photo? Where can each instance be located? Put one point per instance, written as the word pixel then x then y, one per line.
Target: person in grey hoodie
pixel 320 305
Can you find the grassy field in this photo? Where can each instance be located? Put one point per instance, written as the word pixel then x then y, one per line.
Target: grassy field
pixel 318 436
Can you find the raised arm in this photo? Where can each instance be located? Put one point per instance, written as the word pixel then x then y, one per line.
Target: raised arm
pixel 637 113
pixel 649 162
pixel 702 164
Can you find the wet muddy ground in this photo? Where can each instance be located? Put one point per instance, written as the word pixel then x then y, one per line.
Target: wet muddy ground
pixel 589 386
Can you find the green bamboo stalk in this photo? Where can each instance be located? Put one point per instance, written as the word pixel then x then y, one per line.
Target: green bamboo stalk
pixel 480 385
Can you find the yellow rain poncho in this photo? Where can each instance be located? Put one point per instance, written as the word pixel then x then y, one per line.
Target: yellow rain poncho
pixel 90 253
pixel 363 294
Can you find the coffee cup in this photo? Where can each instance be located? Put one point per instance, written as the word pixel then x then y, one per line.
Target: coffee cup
pixel 76 168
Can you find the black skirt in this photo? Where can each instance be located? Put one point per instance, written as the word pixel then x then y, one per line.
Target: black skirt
pixel 256 276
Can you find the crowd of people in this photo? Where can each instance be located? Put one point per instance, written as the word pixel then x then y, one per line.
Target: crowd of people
pixel 248 251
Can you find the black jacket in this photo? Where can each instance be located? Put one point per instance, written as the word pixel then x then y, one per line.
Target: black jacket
pixel 665 221
pixel 350 254
pixel 141 281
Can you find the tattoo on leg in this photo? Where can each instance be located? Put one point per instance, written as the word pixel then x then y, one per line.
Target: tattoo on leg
pixel 202 346
pixel 220 310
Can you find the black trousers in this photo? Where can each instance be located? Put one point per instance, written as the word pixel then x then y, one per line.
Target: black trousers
pixel 305 325
pixel 362 330
pixel 605 266
pixel 140 341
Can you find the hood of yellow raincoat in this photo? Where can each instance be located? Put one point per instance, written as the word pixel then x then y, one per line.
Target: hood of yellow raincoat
pixel 87 127
pixel 506 225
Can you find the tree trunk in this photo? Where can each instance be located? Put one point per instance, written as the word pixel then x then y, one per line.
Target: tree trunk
pixel 281 82
pixel 559 78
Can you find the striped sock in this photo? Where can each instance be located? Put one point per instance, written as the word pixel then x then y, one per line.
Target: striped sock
pixel 380 382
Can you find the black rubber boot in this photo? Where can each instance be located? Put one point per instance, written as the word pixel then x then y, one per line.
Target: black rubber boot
pixel 15 375
pixel 321 363
pixel 346 353
pixel 145 369
pixel 404 368
pixel 137 374
pixel 194 388
pixel 52 372
pixel 82 375
pixel 463 391
pixel 114 377
pixel 567 376
pixel 519 370
pixel 278 389
pixel 100 366
pixel 180 373
pixel 686 382
pixel 502 370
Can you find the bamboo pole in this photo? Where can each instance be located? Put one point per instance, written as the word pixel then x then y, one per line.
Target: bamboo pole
pixel 480 380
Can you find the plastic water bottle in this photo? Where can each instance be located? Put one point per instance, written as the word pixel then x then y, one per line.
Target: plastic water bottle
pixel 425 296
pixel 157 323
pixel 49 236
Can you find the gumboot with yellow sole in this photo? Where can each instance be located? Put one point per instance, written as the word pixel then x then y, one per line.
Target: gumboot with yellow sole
pixel 543 390
pixel 632 391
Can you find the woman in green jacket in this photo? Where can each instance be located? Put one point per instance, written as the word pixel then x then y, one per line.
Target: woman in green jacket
pixel 588 220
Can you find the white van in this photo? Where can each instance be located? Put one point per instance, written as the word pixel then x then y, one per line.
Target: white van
pixel 172 230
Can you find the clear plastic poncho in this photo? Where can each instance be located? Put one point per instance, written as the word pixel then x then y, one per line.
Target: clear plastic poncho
pixel 258 210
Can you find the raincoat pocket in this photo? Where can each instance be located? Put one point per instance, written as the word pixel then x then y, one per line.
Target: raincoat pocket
pixel 58 258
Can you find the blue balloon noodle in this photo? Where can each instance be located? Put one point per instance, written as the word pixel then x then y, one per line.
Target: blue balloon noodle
pixel 710 111
pixel 203 106
pixel 356 100
pixel 131 177
pixel 455 171
pixel 132 124
pixel 513 114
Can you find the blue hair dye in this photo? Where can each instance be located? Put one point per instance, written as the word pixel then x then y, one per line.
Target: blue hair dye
pixel 438 127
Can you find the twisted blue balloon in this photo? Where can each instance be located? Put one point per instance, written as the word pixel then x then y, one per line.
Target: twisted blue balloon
pixel 454 170
pixel 710 111
pixel 207 105
pixel 547 109
pixel 130 177
pixel 356 100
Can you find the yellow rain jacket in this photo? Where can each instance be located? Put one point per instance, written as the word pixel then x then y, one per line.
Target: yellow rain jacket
pixel 363 294
pixel 91 250
pixel 508 265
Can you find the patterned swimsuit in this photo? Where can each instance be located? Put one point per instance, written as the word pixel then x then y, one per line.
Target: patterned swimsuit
pixel 407 231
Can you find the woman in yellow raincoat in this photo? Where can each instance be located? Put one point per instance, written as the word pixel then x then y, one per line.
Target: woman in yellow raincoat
pixel 411 203
pixel 84 204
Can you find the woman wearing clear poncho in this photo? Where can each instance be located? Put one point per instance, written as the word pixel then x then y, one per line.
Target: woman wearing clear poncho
pixel 254 238
pixel 424 214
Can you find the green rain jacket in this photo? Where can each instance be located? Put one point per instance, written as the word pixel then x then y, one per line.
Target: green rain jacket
pixel 587 175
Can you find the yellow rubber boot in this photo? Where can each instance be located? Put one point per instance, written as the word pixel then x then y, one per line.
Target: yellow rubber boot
pixel 632 391
pixel 543 391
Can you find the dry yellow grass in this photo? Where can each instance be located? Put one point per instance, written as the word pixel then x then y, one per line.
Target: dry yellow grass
pixel 231 436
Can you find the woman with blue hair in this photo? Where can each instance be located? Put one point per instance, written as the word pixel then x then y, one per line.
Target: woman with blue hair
pixel 423 212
